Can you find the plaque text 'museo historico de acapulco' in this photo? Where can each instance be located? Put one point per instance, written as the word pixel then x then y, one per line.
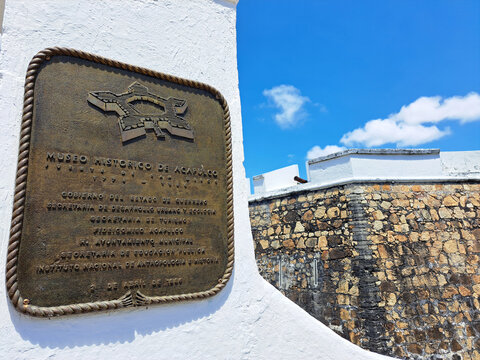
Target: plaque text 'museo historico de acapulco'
pixel 124 193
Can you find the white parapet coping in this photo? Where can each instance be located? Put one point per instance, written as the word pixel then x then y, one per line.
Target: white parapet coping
pixel 384 165
pixel 274 180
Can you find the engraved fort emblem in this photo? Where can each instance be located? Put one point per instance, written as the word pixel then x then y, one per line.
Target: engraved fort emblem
pixel 133 123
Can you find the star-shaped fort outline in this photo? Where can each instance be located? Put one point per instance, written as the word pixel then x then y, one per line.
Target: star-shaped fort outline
pixel 134 124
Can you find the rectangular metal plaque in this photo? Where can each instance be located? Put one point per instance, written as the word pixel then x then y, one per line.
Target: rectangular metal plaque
pixel 124 188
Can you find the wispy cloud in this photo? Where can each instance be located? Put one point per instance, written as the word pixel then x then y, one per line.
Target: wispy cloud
pixel 414 124
pixel 289 102
pixel 317 151
pixel 384 131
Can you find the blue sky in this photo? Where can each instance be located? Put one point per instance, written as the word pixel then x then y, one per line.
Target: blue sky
pixel 317 76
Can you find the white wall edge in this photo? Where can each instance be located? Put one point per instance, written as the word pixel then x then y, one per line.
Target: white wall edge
pixel 374 152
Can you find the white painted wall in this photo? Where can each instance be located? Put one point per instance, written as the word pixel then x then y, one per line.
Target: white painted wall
pixel 249 319
pixel 329 171
pixel 274 180
pixel 396 166
pixel 375 164
pixel 393 164
pixel 461 163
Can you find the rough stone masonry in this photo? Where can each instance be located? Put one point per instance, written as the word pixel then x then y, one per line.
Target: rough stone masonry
pixel 393 268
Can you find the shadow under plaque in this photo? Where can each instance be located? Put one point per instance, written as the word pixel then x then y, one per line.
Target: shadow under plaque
pixel 121 326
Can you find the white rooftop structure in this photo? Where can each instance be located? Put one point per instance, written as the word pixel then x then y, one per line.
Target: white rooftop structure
pixel 370 165
pixel 275 180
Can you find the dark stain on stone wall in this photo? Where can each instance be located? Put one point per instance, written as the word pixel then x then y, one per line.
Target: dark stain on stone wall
pixel 371 316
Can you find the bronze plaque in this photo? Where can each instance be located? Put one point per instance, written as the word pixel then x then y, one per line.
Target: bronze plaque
pixel 124 188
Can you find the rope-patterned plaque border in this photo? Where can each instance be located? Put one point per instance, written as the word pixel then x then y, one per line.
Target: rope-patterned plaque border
pixel 134 298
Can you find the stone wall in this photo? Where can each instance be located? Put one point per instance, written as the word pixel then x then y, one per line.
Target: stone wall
pixel 393 268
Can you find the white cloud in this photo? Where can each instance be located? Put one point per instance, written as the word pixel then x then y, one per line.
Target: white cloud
pixel 289 102
pixel 379 132
pixel 413 124
pixel 433 110
pixel 317 151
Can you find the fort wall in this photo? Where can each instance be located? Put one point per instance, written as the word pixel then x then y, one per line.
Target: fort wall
pixel 393 267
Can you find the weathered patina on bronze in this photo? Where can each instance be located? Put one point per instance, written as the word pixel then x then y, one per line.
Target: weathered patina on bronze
pixel 124 188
